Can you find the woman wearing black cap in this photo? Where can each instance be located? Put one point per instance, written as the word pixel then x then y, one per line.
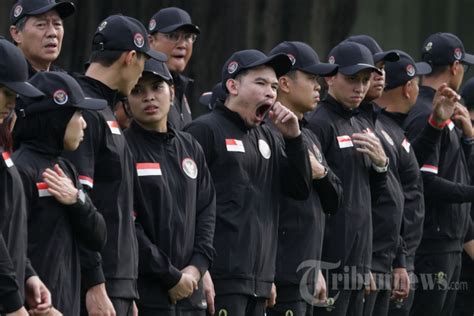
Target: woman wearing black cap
pixel 61 217
pixel 175 232
pixel 16 273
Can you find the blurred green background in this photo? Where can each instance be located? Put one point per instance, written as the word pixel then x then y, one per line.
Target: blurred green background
pixel 230 25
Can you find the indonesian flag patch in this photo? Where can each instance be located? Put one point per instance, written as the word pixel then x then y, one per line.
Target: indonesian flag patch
pixel 7 159
pixel 148 169
pixel 43 189
pixel 234 145
pixel 114 127
pixel 344 141
pixel 87 181
pixel 429 168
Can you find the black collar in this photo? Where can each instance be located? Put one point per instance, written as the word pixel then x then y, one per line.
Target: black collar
pixel 234 117
pixel 338 108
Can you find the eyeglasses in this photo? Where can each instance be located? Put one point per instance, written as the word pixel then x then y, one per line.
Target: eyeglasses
pixel 175 37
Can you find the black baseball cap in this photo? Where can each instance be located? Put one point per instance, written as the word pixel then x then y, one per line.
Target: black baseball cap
pixel 170 19
pixel 251 58
pixel 351 58
pixel 36 7
pixel 123 33
pixel 374 48
pixel 209 98
pixel 14 70
pixel 399 72
pixel 443 49
pixel 159 69
pixel 304 58
pixel 60 91
pixel 467 93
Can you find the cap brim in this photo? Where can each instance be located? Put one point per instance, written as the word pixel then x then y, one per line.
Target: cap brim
pixel 469 59
pixel 422 68
pixel 64 9
pixel 386 56
pixel 91 104
pixel 156 55
pixel 170 28
pixel 352 70
pixel 205 98
pixel 281 63
pixel 322 69
pixel 24 88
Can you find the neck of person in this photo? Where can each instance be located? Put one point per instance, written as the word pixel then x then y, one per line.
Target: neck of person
pixel 160 126
pixel 106 75
pixel 393 101
pixel 436 81
pixel 290 106
pixel 40 66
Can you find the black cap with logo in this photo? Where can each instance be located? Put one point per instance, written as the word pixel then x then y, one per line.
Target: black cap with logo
pixel 399 72
pixel 170 19
pixel 36 7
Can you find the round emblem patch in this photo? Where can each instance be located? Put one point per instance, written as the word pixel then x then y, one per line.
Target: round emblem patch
pixel 102 26
pixel 410 70
pixel 317 153
pixel 189 168
pixel 264 149
pixel 332 60
pixel 60 97
pixel 138 40
pixel 152 24
pixel 292 59
pixel 428 46
pixel 457 53
pixel 17 11
pixel 232 67
pixel 222 312
pixel 388 138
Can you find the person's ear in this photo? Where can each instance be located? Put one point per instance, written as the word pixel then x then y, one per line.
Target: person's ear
pixel 172 93
pixel 16 34
pixel 330 80
pixel 129 56
pixel 284 83
pixel 232 86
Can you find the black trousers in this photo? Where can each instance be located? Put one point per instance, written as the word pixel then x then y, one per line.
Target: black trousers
pixel 348 302
pixel 438 278
pixel 377 303
pixel 146 311
pixel 239 305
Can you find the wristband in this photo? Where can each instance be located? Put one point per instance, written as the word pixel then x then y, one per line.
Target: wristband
pixel 381 169
pixel 437 125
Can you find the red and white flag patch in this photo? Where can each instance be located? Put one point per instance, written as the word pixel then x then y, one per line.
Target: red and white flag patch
pixel 148 169
pixel 234 145
pixel 87 181
pixel 429 168
pixel 114 127
pixel 7 159
pixel 43 189
pixel 344 141
pixel 406 145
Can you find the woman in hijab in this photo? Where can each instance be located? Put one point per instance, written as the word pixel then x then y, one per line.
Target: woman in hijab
pixel 61 217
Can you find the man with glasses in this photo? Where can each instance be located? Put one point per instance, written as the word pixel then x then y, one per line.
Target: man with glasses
pixel 447 188
pixel 173 33
pixel 37 29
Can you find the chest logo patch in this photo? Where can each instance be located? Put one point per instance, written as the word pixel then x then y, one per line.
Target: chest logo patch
pixel 317 153
pixel 148 169
pixel 234 145
pixel 189 168
pixel 388 138
pixel 406 145
pixel 344 141
pixel 264 149
pixel 451 125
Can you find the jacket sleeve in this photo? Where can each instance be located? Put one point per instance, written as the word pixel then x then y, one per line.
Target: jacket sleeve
pixel 330 193
pixel 10 298
pixel 295 169
pixel 378 184
pixel 400 256
pixel 202 133
pixel 204 252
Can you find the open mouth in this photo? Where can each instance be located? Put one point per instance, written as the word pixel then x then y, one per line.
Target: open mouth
pixel 51 45
pixel 262 110
pixel 150 109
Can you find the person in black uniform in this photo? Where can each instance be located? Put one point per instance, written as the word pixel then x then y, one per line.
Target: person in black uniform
pixel 173 33
pixel 209 98
pixel 301 226
pixel 37 29
pixel 16 272
pixel 174 236
pixel 401 92
pixel 60 215
pixel 358 159
pixel 387 244
pixel 448 192
pixel 250 167
pixel 105 164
